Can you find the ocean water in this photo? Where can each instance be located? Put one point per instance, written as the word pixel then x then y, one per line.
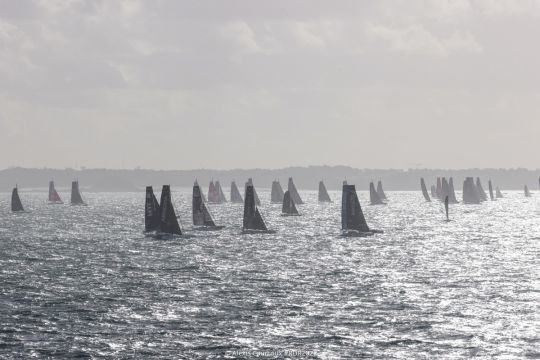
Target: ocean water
pixel 86 282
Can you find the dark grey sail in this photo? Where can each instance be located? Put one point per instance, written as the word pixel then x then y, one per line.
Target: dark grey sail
pixel 481 192
pixel 323 193
pixel 168 222
pixel 490 187
pixel 151 211
pixel 445 189
pixel 288 207
pixel 470 192
pixel 380 191
pixel 16 204
pixel 235 194
pixel 276 195
pixel 201 214
pixel 353 221
pixel 76 198
pixel 438 189
pixel 498 193
pixel 374 198
pixel 250 182
pixel 424 189
pixel 446 207
pixel 221 195
pixel 527 193
pixel 53 194
pixel 253 220
pixel 294 193
pixel 433 192
pixel 452 192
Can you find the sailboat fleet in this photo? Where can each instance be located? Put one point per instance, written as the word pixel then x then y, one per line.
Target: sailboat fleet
pixel 160 217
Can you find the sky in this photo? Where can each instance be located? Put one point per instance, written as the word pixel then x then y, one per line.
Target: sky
pixel 268 84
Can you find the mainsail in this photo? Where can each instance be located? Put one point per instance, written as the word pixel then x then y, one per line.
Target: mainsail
pixel 235 194
pixel 481 192
pixel 498 193
pixel 151 211
pixel 53 195
pixel 294 193
pixel 470 192
pixel 168 223
pixel 276 196
pixel 352 217
pixel 438 189
pixel 252 217
pixel 221 195
pixel 16 204
pixel 490 186
pixel 446 207
pixel 452 192
pixel 250 182
pixel 201 214
pixel 527 193
pixel 213 193
pixel 380 191
pixel 424 189
pixel 433 192
pixel 323 193
pixel 373 196
pixel 445 189
pixel 76 198
pixel 288 207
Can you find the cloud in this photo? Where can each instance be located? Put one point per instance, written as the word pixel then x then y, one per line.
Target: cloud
pixel 243 37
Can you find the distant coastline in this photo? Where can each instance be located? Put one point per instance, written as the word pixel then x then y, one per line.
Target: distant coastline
pixel 101 180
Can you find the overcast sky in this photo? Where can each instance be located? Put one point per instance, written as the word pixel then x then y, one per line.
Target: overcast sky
pixel 242 84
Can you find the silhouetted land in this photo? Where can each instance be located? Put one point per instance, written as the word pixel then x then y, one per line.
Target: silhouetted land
pixel 304 177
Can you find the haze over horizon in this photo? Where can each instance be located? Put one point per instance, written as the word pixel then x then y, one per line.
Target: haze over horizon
pixel 241 84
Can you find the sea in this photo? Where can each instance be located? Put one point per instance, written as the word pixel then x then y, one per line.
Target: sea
pixel 87 282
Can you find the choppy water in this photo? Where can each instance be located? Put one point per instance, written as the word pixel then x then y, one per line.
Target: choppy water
pixel 85 281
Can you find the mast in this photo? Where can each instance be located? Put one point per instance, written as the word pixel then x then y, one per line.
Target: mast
pixel 294 193
pixel 352 217
pixel 76 198
pixel 424 189
pixel 16 204
pixel 288 207
pixel 252 217
pixel 323 193
pixel 490 186
pixel 168 223
pixel 373 196
pixel 151 210
pixel 53 195
pixel 235 194
pixel 276 196
pixel 201 214
pixel 380 191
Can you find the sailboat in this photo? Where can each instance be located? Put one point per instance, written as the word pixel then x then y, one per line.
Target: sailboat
pixel 498 193
pixel 16 204
pixel 323 193
pixel 202 218
pixel 235 194
pixel 527 193
pixel 288 208
pixel 253 222
pixel 276 196
pixel 452 192
pixel 446 207
pixel 438 189
pixel 294 193
pixel 76 198
pixel 221 195
pixel 54 198
pixel 168 222
pixel 433 192
pixel 481 192
pixel 257 200
pixel 424 189
pixel 213 193
pixel 151 211
pixel 470 192
pixel 445 189
pixel 373 196
pixel 353 222
pixel 490 187
pixel 380 191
